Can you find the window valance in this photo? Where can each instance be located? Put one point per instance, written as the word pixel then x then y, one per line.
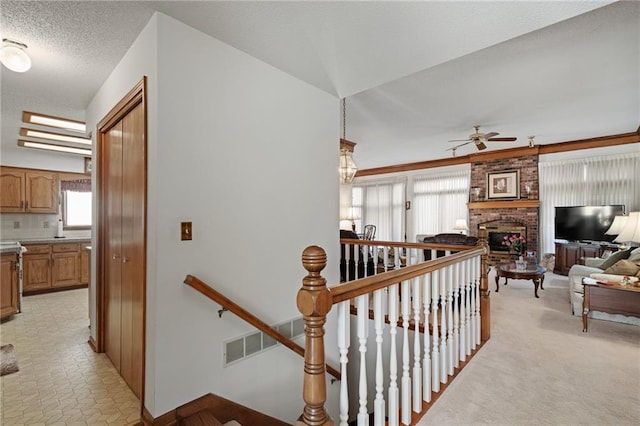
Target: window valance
pixel 80 185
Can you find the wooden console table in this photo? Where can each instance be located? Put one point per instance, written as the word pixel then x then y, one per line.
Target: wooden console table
pixel 612 298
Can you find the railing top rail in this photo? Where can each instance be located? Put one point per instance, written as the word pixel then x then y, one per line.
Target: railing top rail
pixel 352 289
pixel 428 246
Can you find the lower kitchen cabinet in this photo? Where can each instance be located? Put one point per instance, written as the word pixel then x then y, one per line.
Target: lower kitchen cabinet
pixel 8 284
pixel 36 268
pixel 54 266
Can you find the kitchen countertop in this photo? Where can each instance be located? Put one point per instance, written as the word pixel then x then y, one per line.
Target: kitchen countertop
pixel 50 240
pixel 10 247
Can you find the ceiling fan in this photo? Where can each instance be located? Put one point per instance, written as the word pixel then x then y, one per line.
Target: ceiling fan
pixel 479 140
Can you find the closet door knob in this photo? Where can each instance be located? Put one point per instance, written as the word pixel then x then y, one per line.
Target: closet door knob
pixel 116 256
pixel 125 259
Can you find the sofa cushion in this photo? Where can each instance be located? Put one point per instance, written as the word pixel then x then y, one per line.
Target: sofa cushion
pixel 623 267
pixel 615 257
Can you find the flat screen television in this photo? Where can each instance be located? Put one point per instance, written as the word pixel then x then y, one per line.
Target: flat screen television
pixel 586 223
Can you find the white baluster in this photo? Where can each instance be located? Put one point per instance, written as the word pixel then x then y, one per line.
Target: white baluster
pixel 378 315
pixel 343 346
pixel 469 313
pixel 463 312
pixel 426 363
pixel 394 407
pixel 474 313
pixel 417 369
pixel 443 325
pixel 405 394
pixel 477 269
pixel 456 315
pixel 450 341
pixel 363 333
pixel 435 354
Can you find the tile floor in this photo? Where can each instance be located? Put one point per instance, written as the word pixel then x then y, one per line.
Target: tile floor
pixel 61 380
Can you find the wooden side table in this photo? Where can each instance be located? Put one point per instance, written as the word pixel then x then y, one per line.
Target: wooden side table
pixel 612 298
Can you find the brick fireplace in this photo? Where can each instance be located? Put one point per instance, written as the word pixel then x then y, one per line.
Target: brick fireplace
pixel 518 215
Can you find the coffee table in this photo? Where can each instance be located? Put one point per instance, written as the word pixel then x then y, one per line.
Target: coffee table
pixel 532 272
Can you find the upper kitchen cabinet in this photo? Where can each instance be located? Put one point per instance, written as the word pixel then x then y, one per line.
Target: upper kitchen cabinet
pixel 28 191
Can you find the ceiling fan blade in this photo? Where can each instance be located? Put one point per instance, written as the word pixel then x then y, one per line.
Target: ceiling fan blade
pixel 458 146
pixel 459 140
pixel 510 139
pixel 480 145
pixel 489 135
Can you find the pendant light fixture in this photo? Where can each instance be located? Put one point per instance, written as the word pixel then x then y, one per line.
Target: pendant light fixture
pixel 13 55
pixel 348 167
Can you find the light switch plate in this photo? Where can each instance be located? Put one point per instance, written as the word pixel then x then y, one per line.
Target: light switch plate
pixel 186 231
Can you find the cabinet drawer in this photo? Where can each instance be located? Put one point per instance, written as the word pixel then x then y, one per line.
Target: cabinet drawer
pixel 38 248
pixel 65 248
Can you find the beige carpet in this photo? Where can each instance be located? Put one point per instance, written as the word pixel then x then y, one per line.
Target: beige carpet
pixel 539 368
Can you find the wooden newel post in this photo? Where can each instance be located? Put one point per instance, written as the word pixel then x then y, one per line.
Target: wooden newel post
pixel 485 302
pixel 314 302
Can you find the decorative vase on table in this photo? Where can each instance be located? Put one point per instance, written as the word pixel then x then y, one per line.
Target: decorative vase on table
pixel 521 264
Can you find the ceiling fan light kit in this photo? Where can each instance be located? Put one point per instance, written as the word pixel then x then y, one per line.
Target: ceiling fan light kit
pixel 13 55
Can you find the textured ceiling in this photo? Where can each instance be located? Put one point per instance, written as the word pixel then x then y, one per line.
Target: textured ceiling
pixel 415 74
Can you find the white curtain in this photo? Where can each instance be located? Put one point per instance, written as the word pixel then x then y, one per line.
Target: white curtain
pixel 587 181
pixel 439 198
pixel 381 203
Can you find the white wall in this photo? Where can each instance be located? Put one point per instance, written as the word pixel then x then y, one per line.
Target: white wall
pixel 249 155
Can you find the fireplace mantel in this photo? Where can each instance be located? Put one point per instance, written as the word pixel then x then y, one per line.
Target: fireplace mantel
pixel 511 204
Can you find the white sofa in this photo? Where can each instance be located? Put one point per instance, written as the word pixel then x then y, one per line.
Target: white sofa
pixel 597 266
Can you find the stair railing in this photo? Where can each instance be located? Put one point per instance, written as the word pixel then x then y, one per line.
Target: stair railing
pixel 247 316
pixel 447 297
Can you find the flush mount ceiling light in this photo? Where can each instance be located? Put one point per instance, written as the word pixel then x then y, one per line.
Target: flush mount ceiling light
pixel 54 147
pixel 13 55
pixel 59 137
pixel 347 167
pixel 51 121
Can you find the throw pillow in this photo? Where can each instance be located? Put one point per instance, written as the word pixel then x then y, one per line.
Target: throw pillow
pixel 611 260
pixel 635 255
pixel 623 267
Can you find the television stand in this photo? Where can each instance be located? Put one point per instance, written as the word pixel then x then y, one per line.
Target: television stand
pixel 569 253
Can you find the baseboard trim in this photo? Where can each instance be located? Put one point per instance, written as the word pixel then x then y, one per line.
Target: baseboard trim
pixel 92 343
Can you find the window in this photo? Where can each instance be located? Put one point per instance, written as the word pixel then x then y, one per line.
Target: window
pixel 381 203
pixel 440 198
pixel 596 180
pixel 76 203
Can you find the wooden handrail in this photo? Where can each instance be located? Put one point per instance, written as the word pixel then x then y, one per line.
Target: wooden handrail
pixel 227 303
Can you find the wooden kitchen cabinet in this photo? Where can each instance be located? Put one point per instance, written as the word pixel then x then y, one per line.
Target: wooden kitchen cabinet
pixel 36 264
pixel 28 191
pixel 55 266
pixel 66 265
pixel 8 284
